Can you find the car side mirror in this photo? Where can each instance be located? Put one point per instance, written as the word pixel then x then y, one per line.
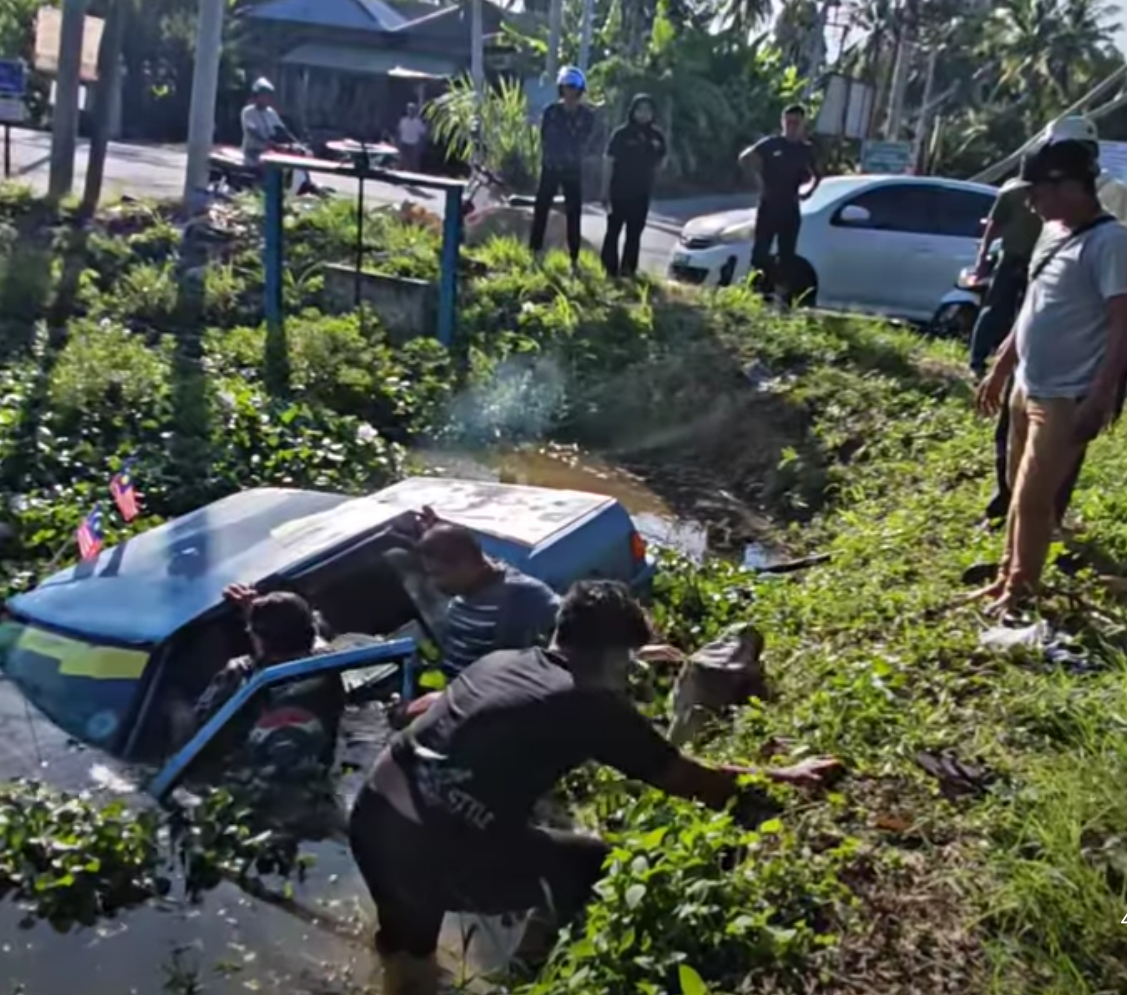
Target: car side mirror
pixel 854 214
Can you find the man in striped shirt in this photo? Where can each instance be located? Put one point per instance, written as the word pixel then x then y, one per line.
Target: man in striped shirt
pixel 493 607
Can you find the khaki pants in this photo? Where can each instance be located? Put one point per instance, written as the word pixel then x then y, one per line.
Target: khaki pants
pixel 1043 453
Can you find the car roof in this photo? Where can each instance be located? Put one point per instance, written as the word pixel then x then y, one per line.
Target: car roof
pixel 834 187
pixel 148 587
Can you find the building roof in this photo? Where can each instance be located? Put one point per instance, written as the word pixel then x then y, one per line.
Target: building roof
pixel 353 15
pixel 372 61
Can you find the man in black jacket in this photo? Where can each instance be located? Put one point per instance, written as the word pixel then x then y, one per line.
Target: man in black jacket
pixel 565 133
pixel 635 151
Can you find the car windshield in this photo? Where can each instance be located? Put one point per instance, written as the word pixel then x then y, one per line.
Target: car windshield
pixel 87 689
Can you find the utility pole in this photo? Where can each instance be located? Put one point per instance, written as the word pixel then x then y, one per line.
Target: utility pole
pixel 555 31
pixel 923 122
pixel 585 34
pixel 900 74
pixel 64 116
pixel 477 50
pixel 205 88
pixel 109 81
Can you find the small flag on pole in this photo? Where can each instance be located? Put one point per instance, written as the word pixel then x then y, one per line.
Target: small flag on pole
pixel 90 535
pixel 125 493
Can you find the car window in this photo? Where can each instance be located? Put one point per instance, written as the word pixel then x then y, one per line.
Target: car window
pixel 87 689
pixel 919 209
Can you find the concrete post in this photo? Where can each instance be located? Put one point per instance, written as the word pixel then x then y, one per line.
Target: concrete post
pixel 205 87
pixel 64 117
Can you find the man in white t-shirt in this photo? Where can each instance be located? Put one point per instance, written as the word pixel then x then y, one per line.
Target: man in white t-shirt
pixel 411 137
pixel 263 127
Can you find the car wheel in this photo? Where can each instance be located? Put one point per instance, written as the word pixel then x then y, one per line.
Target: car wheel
pixel 727 272
pixel 954 321
pixel 805 292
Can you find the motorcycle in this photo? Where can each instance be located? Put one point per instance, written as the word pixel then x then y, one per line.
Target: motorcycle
pixel 229 172
pixel 958 311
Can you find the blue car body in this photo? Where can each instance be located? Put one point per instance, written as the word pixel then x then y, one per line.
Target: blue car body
pixel 100 646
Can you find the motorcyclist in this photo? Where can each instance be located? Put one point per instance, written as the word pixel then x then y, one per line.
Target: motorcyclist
pixel 263 127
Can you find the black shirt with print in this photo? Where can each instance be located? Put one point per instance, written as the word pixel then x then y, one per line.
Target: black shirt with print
pixel 787 165
pixel 507 730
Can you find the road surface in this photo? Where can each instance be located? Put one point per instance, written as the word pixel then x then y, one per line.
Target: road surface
pixel 157 171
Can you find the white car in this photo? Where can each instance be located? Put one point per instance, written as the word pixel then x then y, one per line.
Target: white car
pixel 889 245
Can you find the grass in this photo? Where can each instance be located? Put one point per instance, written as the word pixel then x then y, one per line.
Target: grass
pixel 853 437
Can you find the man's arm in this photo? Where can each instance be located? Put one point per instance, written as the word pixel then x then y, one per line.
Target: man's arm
pixel 1110 272
pixel 751 162
pixel 815 177
pixel 989 397
pixel 989 233
pixel 714 787
pixel 1098 409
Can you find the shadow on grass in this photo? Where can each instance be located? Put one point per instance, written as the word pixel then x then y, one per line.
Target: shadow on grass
pixel 190 449
pixel 22 465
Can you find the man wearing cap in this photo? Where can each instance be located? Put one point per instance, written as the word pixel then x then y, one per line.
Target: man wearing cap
pixel 1067 354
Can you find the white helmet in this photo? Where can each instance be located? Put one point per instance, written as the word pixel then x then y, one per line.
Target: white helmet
pixel 1075 128
pixel 262 85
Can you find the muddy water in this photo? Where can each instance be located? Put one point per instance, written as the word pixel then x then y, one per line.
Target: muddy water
pixel 235 943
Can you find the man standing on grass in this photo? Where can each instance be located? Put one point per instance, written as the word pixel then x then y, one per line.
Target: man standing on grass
pixel 1018 226
pixel 780 166
pixel 1067 355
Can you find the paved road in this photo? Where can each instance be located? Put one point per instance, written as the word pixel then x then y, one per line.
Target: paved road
pixel 158 171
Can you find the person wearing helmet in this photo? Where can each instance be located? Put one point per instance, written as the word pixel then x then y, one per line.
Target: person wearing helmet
pixel 263 127
pixel 1077 128
pixel 1067 355
pixel 565 133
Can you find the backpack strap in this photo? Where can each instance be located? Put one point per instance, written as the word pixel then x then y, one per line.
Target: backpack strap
pixel 1055 250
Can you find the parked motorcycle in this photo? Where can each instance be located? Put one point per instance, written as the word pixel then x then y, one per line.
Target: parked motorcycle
pixel 959 309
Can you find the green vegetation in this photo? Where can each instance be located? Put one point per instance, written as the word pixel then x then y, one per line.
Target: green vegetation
pixel 855 437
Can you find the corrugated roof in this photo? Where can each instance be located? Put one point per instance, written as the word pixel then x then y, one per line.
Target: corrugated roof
pixel 372 61
pixel 353 15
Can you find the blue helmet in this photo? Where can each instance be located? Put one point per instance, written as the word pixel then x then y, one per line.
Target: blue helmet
pixel 573 77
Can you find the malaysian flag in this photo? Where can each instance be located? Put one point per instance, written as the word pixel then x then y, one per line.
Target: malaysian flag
pixel 90 535
pixel 125 493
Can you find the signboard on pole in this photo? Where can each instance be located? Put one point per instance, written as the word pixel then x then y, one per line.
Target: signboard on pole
pixel 13 91
pixel 889 158
pixel 48 28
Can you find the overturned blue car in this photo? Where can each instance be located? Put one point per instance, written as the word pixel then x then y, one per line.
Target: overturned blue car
pixel 107 649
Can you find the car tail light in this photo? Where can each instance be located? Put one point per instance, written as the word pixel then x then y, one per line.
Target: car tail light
pixel 637 546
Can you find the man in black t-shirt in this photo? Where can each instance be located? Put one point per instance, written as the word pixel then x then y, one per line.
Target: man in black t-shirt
pixel 443 822
pixel 780 166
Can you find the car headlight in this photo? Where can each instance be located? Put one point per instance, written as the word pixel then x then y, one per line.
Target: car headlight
pixel 705 241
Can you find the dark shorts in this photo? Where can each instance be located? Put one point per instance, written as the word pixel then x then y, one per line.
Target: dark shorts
pixel 416 874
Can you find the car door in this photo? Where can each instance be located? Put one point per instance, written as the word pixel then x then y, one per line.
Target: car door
pixel 895 249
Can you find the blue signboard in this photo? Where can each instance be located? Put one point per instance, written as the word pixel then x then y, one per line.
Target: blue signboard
pixel 886 158
pixel 13 79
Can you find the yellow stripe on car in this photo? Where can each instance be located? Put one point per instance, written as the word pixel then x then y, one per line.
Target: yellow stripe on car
pixel 77 659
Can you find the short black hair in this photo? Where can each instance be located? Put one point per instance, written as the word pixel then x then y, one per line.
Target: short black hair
pixel 284 622
pixel 450 544
pixel 796 109
pixel 601 615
